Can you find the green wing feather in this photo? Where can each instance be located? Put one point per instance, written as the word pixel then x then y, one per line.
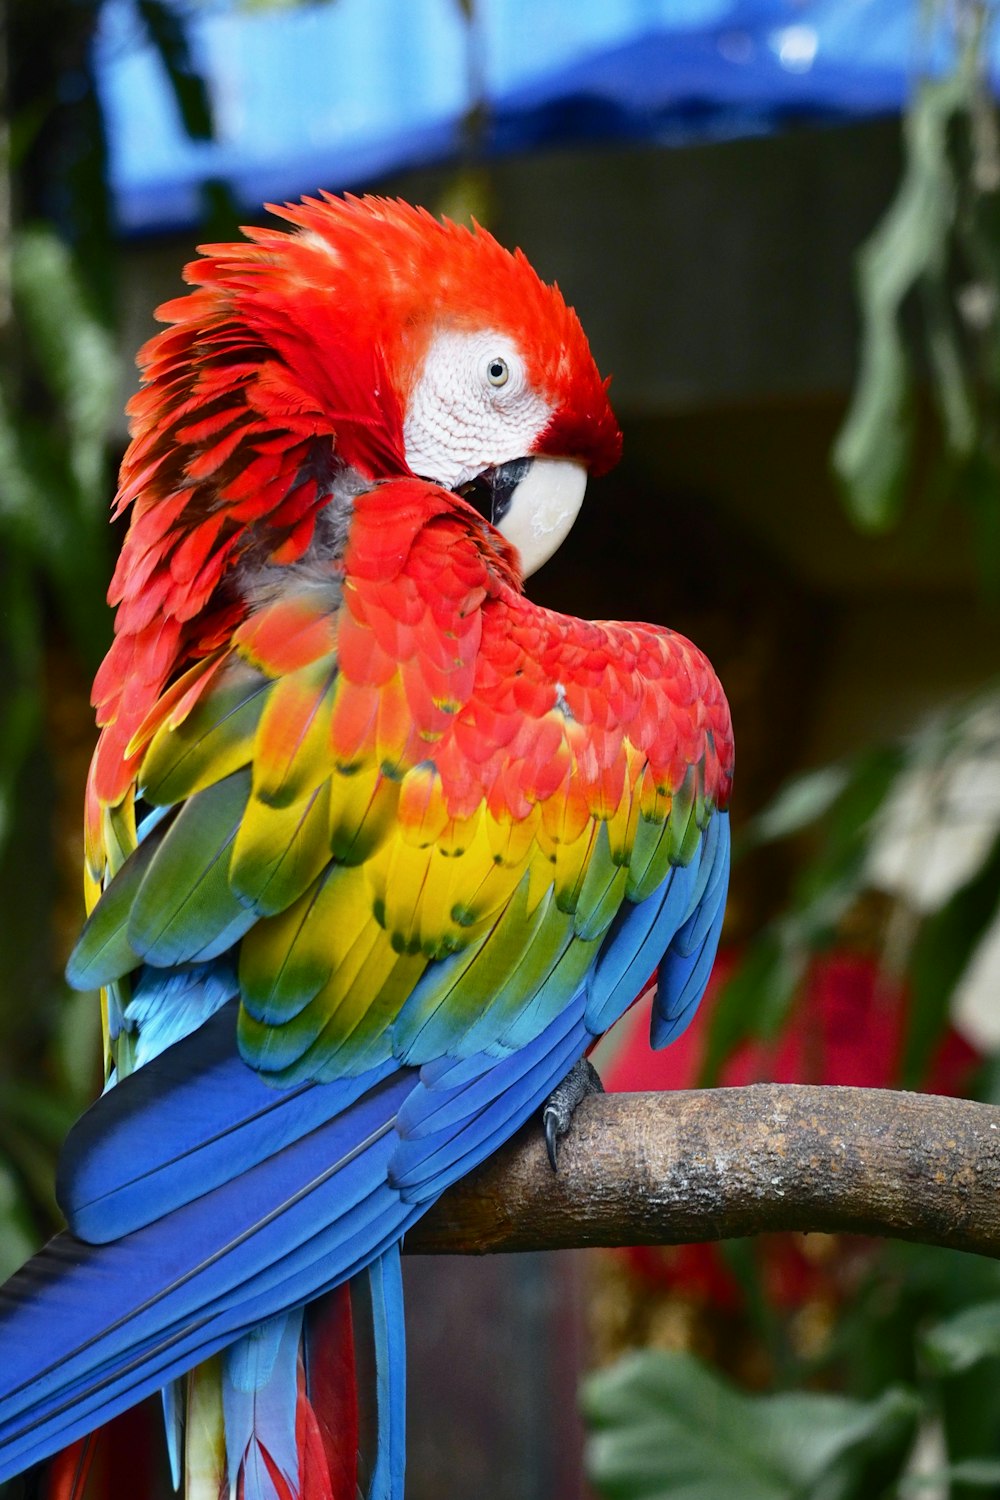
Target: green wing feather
pixel 375 917
pixel 185 909
pixel 103 952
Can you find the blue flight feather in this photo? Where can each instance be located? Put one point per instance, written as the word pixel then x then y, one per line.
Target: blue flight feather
pixel 709 897
pixel 307 1217
pixel 259 1401
pixel 482 1110
pixel 190 1120
pixel 634 946
pixel 685 969
pixel 173 1426
pixel 212 1253
pixel 385 1280
pixel 124 1369
pixel 239 1202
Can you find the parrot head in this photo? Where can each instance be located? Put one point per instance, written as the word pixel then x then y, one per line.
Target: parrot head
pixel 393 343
pixel 487 377
pixel 362 342
pixel 502 401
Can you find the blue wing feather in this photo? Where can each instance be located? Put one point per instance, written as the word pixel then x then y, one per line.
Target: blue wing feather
pixel 441 1120
pixel 167 1005
pixel 307 1217
pixel 191 1120
pixel 685 967
pixel 237 1202
pixel 640 935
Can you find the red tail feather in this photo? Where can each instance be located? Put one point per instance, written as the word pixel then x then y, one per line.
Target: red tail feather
pixel 124 1457
pixel 327 1425
pixel 69 1470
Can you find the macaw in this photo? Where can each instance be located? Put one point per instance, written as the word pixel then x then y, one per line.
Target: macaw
pixel 376 847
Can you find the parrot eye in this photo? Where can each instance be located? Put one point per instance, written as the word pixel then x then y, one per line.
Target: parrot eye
pixel 497 371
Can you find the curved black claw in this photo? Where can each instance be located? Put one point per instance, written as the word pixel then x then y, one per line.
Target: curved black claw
pixel 560 1107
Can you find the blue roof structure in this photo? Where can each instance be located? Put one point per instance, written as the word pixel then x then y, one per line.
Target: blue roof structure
pixel 340 92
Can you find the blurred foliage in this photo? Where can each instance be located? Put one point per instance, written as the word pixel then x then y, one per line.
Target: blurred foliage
pixel 900 844
pixel 165 27
pixel 911 833
pixel 902 1399
pixel 667 1428
pixel 841 803
pixel 929 293
pixel 881 822
pixel 58 391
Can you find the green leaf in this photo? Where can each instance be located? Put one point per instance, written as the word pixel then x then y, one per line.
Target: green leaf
pixel 20 705
pixel 756 999
pixel 74 350
pixel 665 1427
pixel 951 382
pixel 43 1113
pixel 33 510
pixel 835 877
pixel 43 514
pixel 943 948
pixel 77 1049
pixel 958 1342
pixel 17 1234
pixel 976 1473
pixel 871 454
pixel 800 802
pixel 33 1164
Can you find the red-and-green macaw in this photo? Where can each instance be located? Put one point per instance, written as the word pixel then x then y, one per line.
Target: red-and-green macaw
pixel 376 847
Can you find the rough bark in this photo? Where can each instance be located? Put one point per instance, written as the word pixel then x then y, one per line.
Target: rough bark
pixel 714 1164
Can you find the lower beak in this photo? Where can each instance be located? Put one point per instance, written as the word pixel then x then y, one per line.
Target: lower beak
pixel 533 502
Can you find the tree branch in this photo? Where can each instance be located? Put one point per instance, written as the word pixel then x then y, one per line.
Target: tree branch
pixel 677 1168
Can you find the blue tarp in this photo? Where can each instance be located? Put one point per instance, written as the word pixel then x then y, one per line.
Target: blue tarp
pixel 336 94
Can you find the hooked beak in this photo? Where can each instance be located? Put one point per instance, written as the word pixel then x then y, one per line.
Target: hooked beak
pixel 533 502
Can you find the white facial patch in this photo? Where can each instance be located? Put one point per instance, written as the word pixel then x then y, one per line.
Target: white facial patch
pixel 543 508
pixel 471 407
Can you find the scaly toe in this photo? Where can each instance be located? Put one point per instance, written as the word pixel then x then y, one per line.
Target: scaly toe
pixel 560 1107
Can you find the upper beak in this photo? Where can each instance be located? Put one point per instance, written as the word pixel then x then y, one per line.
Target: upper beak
pixel 533 502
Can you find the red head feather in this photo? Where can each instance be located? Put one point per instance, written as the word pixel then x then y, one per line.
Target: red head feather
pixel 296 353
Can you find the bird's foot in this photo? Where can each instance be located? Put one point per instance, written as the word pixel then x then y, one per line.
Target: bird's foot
pixel 580 1082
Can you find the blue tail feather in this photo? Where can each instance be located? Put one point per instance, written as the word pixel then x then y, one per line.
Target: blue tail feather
pixel 385 1281
pixel 259 1401
pixel 173 1427
pixel 307 1217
